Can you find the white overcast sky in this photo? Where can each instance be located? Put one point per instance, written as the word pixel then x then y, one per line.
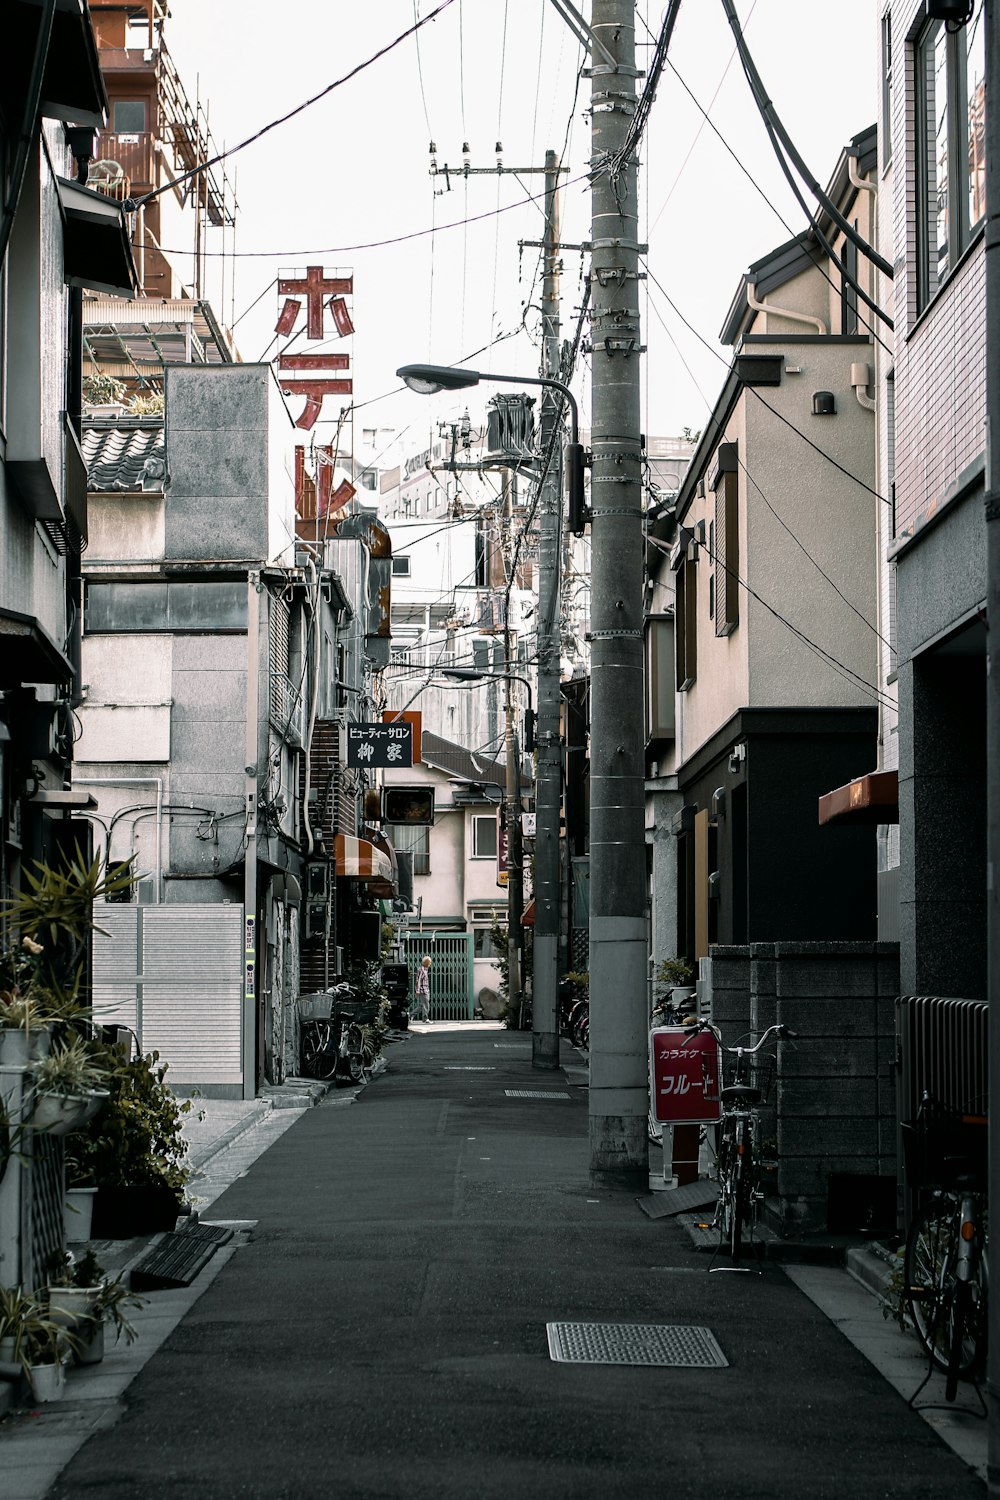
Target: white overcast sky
pixel 353 170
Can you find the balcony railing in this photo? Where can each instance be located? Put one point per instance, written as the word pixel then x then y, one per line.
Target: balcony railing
pixel 133 152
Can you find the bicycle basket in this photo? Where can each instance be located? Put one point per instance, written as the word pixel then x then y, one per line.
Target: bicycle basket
pixel 939 1150
pixel 757 1075
pixel 361 1012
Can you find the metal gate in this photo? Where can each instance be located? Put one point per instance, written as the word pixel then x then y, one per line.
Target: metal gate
pixel 452 996
pixel 174 976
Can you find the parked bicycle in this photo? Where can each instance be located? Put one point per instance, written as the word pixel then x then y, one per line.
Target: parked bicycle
pixel 738 1148
pixel 945 1269
pixel 341 1045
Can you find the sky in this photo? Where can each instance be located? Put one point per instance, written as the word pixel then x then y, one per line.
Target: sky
pixel 345 184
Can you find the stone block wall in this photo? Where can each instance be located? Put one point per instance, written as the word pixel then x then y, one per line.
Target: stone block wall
pixel 832 1106
pixel 836 1098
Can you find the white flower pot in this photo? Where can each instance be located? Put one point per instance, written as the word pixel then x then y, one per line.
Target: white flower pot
pixel 90 1343
pixel 69 1305
pixel 47 1381
pixel 78 1213
pixel 58 1114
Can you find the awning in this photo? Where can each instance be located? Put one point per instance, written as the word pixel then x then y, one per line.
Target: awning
pixel 28 653
pixel 385 889
pixel 357 859
pixel 72 86
pixel 870 799
pixel 97 253
pixel 528 915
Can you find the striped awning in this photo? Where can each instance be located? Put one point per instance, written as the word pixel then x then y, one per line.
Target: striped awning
pixel 360 860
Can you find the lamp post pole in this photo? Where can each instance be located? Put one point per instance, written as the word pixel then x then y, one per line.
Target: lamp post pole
pixel 548 790
pixel 618 1095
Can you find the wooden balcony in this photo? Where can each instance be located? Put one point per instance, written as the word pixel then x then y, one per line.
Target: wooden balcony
pixel 134 154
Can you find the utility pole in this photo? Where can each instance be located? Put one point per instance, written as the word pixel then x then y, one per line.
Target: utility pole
pixel 548 785
pixel 992 514
pixel 618 1097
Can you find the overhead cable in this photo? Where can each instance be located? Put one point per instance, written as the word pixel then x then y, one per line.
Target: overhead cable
pixel 282 119
pixel 770 116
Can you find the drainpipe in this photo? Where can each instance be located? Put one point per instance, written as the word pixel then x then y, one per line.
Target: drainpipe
pixel 782 312
pixel 156 781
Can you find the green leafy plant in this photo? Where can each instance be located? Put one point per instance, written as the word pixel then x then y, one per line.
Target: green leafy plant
pixel 72 1067
pixel 102 390
pixel 137 1140
pixel 38 1339
pixel 579 979
pixel 673 972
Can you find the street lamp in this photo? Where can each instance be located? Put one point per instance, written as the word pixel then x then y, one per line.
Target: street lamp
pixel 473 674
pixel 426 380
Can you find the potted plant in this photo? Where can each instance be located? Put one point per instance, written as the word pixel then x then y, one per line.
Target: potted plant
pixel 32 1343
pixel 81 1297
pixel 68 1085
pixel 134 1151
pixel 25 1019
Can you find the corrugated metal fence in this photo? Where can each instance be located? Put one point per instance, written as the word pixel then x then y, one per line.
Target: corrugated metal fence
pixel 942 1047
pixel 452 997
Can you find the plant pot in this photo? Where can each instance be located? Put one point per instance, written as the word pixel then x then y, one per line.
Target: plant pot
pixel 69 1306
pixel 90 1342
pixel 58 1114
pixel 10 1365
pixel 47 1381
pixel 122 1213
pixel 18 1047
pixel 78 1214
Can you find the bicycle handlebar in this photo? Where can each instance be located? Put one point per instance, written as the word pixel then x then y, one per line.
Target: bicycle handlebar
pixel 780 1031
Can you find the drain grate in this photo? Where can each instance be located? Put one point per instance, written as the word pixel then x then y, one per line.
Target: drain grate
pixel 178 1257
pixel 535 1094
pixel 679 1345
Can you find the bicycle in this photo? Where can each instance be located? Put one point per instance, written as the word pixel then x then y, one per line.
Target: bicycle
pixel 341 1044
pixel 945 1271
pixel 737 1157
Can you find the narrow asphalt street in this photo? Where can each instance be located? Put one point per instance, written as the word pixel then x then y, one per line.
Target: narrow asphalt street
pixel 382 1332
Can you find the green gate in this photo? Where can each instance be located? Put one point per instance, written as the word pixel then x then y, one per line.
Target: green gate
pixel 452 996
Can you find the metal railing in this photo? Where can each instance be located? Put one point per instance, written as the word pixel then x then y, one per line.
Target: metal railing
pixel 941 1049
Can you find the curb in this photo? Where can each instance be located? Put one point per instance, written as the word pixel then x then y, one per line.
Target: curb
pixel 201 1156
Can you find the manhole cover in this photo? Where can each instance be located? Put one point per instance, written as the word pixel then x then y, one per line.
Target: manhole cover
pixel 635 1344
pixel 535 1094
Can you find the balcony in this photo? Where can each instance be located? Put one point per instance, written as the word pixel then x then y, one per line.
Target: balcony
pixel 133 152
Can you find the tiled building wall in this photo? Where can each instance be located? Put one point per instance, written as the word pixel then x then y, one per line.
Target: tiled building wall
pixel 940 365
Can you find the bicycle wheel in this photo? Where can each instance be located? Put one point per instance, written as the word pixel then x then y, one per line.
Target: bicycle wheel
pixel 319 1055
pixel 948 1325
pixel 355 1052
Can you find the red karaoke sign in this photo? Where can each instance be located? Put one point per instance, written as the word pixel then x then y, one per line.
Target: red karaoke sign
pixel 685 1076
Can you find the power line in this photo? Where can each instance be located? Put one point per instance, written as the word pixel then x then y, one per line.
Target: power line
pixel 780 415
pixel 399 239
pixel 751 480
pixel 283 119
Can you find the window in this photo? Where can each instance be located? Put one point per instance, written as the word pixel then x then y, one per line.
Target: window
pixel 401 567
pixel 725 482
pixel 686 623
pixel 413 840
pixel 951 155
pixel 176 605
pixel 886 131
pixel 659 678
pixel 483 945
pixel 484 837
pixel 129 116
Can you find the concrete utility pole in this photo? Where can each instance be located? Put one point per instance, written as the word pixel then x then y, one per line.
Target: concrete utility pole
pixel 618 1015
pixel 992 512
pixel 545 971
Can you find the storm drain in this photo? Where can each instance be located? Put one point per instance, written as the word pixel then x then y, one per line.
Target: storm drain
pixel 682 1346
pixel 535 1094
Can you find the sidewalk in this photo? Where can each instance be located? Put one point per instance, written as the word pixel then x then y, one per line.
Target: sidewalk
pixel 379 1325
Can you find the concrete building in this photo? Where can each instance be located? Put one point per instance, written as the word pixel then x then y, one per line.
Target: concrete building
pixel 56 238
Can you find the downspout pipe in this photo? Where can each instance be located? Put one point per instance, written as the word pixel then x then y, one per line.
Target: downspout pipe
pixel 783 312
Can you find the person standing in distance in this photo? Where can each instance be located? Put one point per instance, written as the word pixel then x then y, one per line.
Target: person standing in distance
pixel 422 995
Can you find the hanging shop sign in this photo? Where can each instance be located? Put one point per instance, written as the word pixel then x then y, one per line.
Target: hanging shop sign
pixel 685 1076
pixel 380 745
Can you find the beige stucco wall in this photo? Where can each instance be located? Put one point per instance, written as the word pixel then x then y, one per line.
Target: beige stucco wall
pixel 795 490
pixel 125 528
pixel 126 714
